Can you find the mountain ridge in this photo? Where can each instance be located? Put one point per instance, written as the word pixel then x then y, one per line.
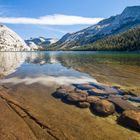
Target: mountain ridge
pixel 126 41
pixel 128 19
pixel 40 42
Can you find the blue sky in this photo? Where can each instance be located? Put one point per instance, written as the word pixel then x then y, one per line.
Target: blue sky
pixel 57 14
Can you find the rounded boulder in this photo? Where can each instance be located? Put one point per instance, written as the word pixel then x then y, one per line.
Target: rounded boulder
pixel 130 118
pixel 76 97
pixel 103 107
pixel 92 99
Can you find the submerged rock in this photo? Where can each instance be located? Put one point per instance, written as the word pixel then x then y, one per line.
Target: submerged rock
pixel 121 104
pixel 126 97
pixel 98 92
pixel 63 91
pixel 81 91
pixel 84 86
pixel 135 99
pixel 103 107
pixel 131 98
pixel 60 93
pixel 92 99
pixel 102 100
pixel 76 97
pixel 83 104
pixel 68 88
pixel 130 118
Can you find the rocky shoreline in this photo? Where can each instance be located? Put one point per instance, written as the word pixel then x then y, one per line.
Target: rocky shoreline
pixel 103 101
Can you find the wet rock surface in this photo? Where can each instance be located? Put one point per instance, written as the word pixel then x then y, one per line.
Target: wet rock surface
pixel 83 104
pixel 92 99
pixel 130 118
pixel 103 101
pixel 82 92
pixel 75 97
pixel 98 92
pixel 103 107
pixel 63 91
pixel 68 88
pixel 60 93
pixel 84 86
pixel 122 105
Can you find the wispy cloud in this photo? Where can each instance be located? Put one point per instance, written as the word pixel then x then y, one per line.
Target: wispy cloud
pixel 56 19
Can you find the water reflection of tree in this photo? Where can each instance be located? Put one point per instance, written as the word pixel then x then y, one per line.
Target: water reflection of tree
pixel 118 69
pixel 78 59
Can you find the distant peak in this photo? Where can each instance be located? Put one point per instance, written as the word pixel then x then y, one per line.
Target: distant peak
pixel 42 37
pixel 132 9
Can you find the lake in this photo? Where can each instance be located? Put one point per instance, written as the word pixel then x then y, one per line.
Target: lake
pixel 118 69
pixel 31 77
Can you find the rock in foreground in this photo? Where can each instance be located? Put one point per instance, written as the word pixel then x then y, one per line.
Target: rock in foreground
pixel 60 93
pixel 103 107
pixel 92 99
pixel 121 104
pixel 83 104
pixel 130 118
pixel 103 101
pixel 76 97
pixel 63 91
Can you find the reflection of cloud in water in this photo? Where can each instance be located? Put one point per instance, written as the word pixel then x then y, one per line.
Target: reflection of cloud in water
pixel 22 67
pixel 50 80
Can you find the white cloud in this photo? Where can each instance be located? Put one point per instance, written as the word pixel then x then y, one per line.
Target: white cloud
pixel 56 19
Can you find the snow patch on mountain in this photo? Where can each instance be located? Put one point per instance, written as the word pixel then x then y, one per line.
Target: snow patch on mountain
pixel 40 42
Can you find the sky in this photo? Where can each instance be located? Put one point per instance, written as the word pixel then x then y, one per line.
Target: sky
pixel 54 18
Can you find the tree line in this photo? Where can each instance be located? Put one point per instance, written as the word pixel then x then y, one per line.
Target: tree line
pixel 126 41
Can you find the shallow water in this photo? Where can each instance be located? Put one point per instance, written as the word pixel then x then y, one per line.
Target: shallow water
pixel 119 69
pixel 32 77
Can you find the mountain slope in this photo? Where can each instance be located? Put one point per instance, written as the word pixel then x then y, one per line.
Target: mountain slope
pixel 128 19
pixel 126 41
pixel 36 43
pixel 10 41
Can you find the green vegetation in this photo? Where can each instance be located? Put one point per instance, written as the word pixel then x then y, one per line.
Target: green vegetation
pixel 126 41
